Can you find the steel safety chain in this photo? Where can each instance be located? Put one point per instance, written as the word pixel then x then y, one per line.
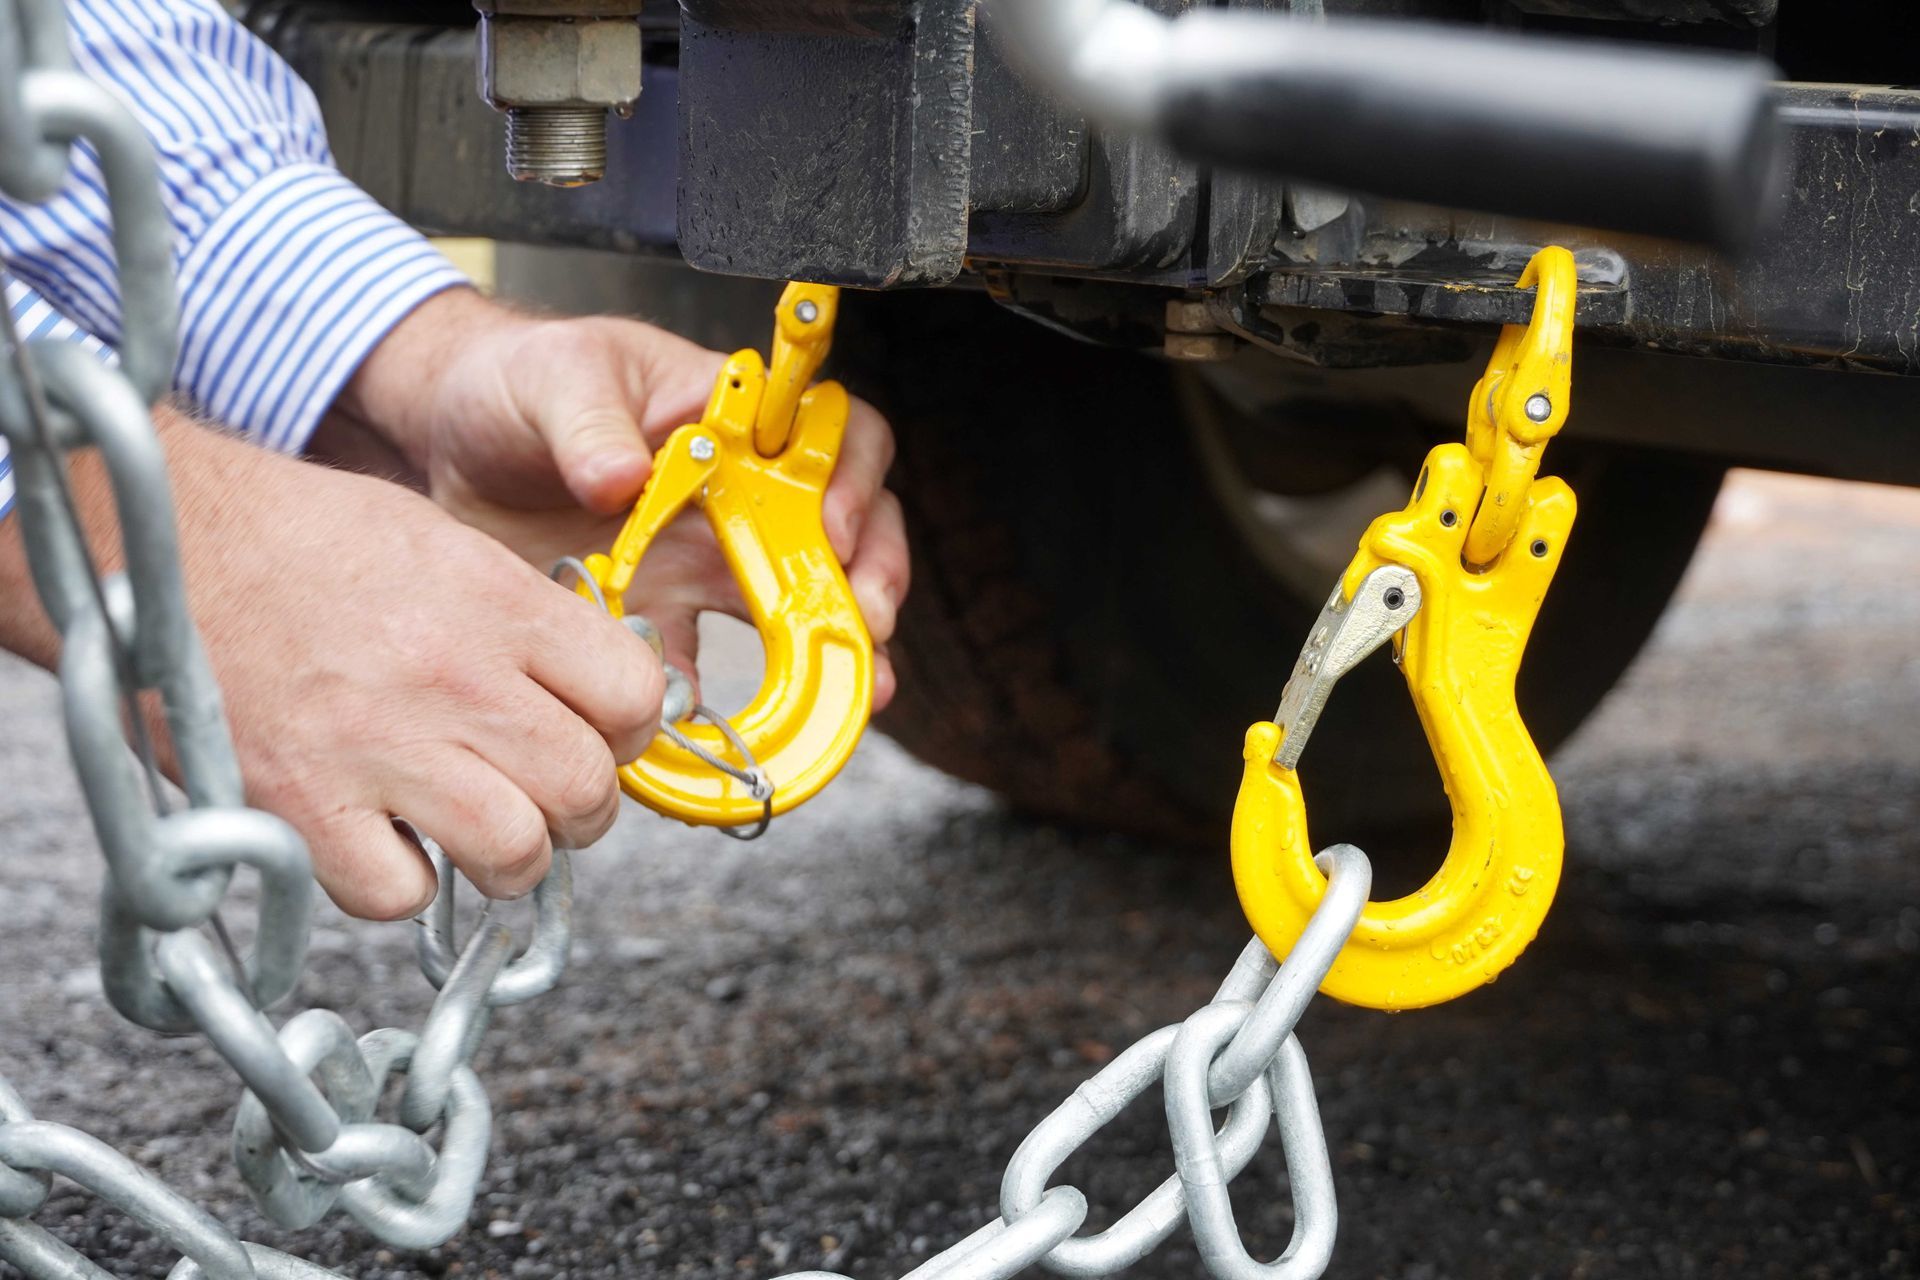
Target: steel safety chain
pixel 304 1138
pixel 31 1151
pixel 1238 1052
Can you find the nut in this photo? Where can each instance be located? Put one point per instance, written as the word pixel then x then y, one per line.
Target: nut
pixel 1200 346
pixel 1187 315
pixel 559 62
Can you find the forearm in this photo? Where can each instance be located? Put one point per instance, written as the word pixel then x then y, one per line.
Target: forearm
pixel 25 628
pixel 205 468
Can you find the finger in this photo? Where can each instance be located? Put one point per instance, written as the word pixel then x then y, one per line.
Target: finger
pixel 680 635
pixel 680 376
pixel 605 674
pixel 556 759
pixel 885 681
pixel 865 454
pixel 586 402
pixel 369 869
pixel 486 824
pixel 685 569
pixel 881 572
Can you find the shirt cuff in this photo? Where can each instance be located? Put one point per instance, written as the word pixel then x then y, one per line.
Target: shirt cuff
pixel 35 318
pixel 285 295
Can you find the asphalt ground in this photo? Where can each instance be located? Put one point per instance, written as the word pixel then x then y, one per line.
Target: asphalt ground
pixel 819 1050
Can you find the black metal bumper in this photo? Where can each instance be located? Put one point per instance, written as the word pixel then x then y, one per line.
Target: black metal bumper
pixel 904 153
pixel 1835 282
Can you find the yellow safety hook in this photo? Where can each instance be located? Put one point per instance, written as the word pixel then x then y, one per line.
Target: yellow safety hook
pixel 1520 403
pixel 758 463
pixel 1459 619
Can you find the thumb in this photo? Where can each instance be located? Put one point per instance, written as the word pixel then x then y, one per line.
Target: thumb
pixel 601 456
pixel 599 452
pixel 587 411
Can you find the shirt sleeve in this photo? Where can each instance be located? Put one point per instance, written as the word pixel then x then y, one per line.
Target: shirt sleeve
pixel 289 274
pixel 34 318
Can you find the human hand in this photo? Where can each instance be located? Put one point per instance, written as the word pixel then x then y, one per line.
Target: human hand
pixel 541 432
pixel 379 660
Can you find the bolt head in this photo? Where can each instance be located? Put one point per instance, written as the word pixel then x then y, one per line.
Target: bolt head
pixel 1539 408
pixel 807 312
pixel 701 449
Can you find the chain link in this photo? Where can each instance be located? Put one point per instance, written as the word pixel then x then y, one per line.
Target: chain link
pixel 305 1139
pixel 1237 1052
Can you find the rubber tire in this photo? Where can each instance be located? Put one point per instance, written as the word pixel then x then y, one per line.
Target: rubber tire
pixel 1089 636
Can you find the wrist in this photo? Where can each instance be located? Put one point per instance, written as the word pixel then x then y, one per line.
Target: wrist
pixel 396 392
pixel 25 629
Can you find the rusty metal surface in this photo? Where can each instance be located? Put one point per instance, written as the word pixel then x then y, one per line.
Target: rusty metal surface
pixel 784 168
pixel 1834 283
pixel 407 123
pixel 835 157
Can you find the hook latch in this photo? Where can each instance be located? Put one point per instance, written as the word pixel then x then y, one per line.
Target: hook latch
pixel 757 464
pixel 1460 623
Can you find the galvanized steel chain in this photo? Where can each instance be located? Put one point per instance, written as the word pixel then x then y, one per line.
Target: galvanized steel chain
pixel 31 1151
pixel 1237 1052
pixel 304 1138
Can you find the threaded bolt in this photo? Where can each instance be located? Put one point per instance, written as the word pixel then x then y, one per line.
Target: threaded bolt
pixel 560 146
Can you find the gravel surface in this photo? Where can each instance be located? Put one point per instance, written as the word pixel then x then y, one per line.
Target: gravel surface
pixel 820 1050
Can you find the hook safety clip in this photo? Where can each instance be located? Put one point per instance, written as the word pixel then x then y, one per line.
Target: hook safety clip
pixel 758 463
pixel 1455 580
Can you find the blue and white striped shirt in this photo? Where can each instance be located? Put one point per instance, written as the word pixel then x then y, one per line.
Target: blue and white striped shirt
pixel 289 274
